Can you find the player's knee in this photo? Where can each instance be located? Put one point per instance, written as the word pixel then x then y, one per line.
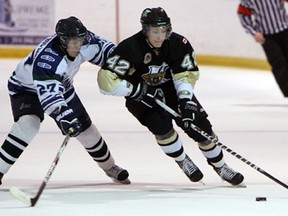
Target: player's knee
pixel 30 123
pixel 167 138
pixel 208 144
pixel 26 127
pixel 89 137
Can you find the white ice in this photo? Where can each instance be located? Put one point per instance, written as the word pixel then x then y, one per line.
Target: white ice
pixel 247 110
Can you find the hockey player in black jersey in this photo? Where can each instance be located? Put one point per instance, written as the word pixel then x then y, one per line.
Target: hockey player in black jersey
pixel 43 82
pixel 159 63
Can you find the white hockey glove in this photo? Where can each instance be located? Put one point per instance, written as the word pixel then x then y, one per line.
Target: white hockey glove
pixel 67 121
pixel 147 94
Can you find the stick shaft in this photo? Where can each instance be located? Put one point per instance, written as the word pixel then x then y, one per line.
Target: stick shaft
pixel 50 171
pixel 206 135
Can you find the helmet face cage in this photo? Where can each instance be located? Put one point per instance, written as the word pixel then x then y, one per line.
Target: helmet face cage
pixel 70 28
pixel 155 17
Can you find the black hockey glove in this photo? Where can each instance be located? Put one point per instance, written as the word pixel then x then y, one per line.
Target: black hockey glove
pixel 147 94
pixel 66 121
pixel 188 110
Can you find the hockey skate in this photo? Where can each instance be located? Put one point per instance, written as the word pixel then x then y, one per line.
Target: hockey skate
pixel 118 174
pixel 229 175
pixel 190 169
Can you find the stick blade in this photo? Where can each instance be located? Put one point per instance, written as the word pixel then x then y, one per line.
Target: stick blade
pixel 20 195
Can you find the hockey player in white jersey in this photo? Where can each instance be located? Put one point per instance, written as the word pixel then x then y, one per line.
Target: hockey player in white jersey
pixel 43 83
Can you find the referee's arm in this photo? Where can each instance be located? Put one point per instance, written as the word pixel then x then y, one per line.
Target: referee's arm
pixel 245 16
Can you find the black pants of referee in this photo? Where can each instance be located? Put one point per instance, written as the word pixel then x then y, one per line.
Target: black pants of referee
pixel 276 50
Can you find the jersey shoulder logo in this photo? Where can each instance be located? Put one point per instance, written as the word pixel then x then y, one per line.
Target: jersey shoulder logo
pixel 147 58
pixel 184 40
pixel 44 65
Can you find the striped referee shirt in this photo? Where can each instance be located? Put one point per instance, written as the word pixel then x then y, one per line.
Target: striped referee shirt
pixel 265 16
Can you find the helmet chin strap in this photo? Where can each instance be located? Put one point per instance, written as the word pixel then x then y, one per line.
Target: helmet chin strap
pixel 150 43
pixel 69 57
pixel 64 50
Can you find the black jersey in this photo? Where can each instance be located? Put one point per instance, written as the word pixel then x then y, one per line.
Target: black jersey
pixel 135 60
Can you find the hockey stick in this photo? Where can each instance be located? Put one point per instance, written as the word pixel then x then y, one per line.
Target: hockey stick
pixel 20 195
pixel 206 135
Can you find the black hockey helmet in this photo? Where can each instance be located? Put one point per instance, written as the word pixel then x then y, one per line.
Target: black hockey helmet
pixel 155 17
pixel 68 28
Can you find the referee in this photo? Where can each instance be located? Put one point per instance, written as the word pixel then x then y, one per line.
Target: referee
pixel 267 21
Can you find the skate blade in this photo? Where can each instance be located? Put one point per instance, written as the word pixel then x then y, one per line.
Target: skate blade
pixel 126 181
pixel 241 185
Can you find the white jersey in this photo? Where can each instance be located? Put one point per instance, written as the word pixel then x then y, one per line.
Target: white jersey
pixel 49 72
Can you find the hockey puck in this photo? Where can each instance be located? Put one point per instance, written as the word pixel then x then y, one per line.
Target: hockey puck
pixel 261 199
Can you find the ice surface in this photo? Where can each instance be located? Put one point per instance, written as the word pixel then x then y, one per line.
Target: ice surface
pixel 247 111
